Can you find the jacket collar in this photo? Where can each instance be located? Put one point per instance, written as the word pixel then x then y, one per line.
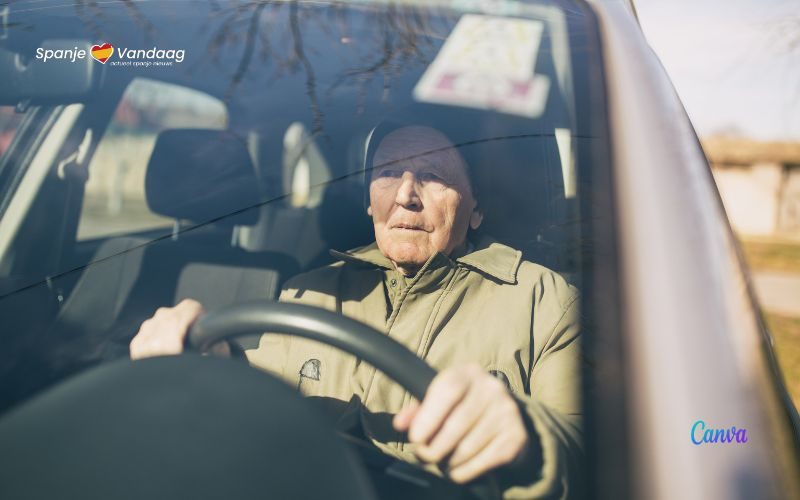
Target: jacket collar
pixel 489 257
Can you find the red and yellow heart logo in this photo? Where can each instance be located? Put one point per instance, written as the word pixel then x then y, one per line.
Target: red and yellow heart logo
pixel 102 52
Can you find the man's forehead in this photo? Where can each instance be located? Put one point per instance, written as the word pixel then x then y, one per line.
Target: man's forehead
pixel 423 145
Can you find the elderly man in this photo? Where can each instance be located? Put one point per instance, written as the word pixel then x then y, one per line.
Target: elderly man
pixel 503 331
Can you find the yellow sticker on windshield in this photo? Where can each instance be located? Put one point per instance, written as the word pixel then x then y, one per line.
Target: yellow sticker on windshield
pixel 488 62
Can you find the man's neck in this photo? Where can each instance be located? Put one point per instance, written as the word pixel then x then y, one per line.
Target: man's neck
pixel 407 270
pixel 411 270
pixel 462 250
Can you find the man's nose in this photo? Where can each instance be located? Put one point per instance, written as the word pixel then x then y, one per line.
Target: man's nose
pixel 407 195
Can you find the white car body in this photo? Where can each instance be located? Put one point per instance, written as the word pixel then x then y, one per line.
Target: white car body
pixel 694 345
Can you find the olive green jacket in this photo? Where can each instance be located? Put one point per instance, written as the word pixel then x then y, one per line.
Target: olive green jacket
pixel 515 318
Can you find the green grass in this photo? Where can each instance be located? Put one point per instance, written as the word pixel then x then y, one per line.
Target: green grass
pixel 786 334
pixel 772 256
pixel 780 256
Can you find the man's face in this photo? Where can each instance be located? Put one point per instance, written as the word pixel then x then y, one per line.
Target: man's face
pixel 421 201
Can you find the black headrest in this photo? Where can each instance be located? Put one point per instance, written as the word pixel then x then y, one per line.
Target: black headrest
pixel 202 175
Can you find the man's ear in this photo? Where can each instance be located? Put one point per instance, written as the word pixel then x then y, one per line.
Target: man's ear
pixel 369 210
pixel 476 218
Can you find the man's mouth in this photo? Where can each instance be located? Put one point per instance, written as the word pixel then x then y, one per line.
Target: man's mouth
pixel 409 227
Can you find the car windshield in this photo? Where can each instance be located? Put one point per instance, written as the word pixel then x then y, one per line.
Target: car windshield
pixel 424 168
pixel 216 151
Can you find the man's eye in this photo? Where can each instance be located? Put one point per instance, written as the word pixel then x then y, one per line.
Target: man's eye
pixel 388 173
pixel 429 177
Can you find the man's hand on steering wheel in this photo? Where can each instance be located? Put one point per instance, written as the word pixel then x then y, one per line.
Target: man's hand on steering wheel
pixel 165 333
pixel 468 423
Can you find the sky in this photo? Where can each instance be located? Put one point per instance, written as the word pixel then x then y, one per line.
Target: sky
pixel 734 63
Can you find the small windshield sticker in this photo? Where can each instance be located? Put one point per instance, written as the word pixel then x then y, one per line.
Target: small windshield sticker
pixel 488 62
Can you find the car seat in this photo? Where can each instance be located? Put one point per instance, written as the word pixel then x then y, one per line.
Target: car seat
pixel 339 222
pixel 205 180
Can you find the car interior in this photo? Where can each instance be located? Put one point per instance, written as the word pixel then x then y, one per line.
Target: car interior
pixel 250 202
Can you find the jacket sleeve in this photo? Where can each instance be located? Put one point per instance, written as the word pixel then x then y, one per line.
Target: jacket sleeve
pixel 553 411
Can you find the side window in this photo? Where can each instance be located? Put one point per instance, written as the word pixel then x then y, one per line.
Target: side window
pixel 114 201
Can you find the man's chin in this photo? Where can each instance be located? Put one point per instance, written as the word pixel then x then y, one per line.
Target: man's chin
pixel 407 255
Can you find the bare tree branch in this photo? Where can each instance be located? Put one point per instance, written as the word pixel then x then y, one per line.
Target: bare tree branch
pixel 249 47
pixel 311 80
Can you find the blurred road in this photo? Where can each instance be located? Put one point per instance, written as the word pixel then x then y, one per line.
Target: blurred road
pixel 778 292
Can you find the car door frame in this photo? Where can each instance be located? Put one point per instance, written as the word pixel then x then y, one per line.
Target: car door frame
pixel 694 343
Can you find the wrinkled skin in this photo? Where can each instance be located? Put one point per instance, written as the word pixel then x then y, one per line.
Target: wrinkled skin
pixel 421 200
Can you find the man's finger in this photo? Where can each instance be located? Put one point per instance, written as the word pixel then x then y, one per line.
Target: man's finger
pixel 479 437
pixel 496 453
pixel 459 423
pixel 445 392
pixel 404 417
pixel 189 309
pixel 164 333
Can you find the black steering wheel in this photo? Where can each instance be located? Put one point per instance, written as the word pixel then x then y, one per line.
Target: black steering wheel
pixel 349 335
pixel 321 325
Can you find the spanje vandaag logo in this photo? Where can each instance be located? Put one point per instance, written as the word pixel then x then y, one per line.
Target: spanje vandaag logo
pixel 104 53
